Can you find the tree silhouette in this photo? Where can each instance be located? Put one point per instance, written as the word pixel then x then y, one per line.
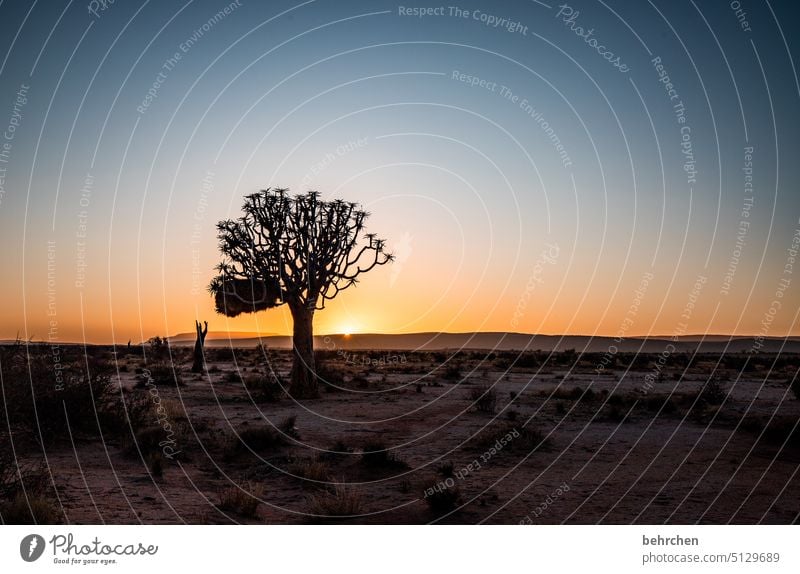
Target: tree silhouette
pixel 199 363
pixel 293 250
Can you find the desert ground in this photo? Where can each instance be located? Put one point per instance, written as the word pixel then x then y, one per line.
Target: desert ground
pixel 397 437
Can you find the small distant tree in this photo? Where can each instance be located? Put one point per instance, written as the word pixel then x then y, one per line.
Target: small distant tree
pixel 294 250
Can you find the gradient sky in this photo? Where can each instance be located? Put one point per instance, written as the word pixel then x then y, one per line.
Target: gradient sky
pixel 465 182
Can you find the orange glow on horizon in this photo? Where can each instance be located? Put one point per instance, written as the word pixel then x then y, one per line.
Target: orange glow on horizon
pixel 430 293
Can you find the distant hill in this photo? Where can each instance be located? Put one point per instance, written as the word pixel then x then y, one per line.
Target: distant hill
pixel 218 335
pixel 499 341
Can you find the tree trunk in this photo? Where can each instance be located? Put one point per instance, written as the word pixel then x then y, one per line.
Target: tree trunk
pixel 199 363
pixel 304 377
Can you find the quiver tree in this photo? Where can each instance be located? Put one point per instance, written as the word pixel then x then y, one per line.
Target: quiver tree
pixel 293 250
pixel 198 365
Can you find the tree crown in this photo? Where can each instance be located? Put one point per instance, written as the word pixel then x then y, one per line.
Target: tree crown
pixel 297 249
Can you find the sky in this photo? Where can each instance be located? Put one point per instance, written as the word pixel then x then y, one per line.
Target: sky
pixel 597 168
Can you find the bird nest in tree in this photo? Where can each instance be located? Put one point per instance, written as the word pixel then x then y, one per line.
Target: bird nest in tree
pixel 233 297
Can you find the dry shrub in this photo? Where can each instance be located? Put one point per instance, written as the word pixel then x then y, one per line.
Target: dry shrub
pixel 258 439
pixel 264 388
pixel 484 399
pixel 338 451
pixel 174 410
pixel 376 456
pixel 441 496
pixel 712 392
pixel 243 500
pixel 36 509
pixel 25 490
pixel 330 376
pixel 311 469
pixel 160 374
pixel 452 372
pixel 340 502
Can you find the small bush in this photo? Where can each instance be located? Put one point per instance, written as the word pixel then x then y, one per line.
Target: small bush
pixel 782 431
pixel 446 469
pixel 620 401
pixel 360 382
pixel 160 374
pixel 752 424
pixel 41 383
pixel 484 399
pixel 712 392
pixel 126 412
pixel 664 404
pixel 263 388
pixel 440 497
pixel 33 510
pixel 156 464
pixel 173 410
pixel 220 355
pixel 337 451
pixel 616 414
pixel 529 440
pixel 376 456
pixel 258 439
pixel 18 479
pixel 329 376
pixel 451 372
pixel 289 427
pixel 340 502
pixel 310 469
pixel 159 346
pixel 574 394
pixel 242 500
pixel 147 440
pixel 527 361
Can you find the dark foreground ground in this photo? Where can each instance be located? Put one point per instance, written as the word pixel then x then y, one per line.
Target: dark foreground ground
pixel 461 437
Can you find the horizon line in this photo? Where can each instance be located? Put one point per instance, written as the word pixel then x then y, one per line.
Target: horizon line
pixel 33 340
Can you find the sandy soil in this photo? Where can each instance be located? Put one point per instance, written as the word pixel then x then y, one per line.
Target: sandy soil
pixel 619 456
